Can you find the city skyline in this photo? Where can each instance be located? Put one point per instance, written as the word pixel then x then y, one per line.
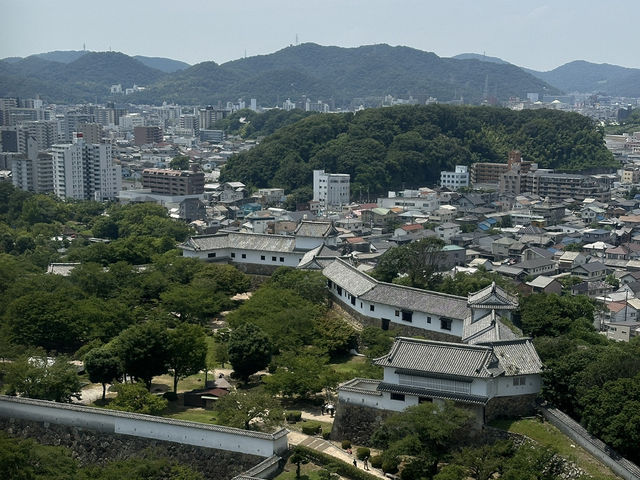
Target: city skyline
pixel 527 33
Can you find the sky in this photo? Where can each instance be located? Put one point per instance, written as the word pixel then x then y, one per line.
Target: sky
pixel 541 35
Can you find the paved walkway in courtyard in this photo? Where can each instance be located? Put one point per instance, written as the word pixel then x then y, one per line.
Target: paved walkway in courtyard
pixel 327 447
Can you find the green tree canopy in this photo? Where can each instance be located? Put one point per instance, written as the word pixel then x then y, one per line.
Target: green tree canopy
pixel 134 397
pixel 45 378
pixel 143 350
pixel 249 410
pixel 103 365
pixel 249 350
pixel 186 351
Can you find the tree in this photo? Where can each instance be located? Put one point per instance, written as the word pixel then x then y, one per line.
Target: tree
pixel 425 430
pixel 187 351
pixel 143 350
pixel 103 365
pixel 301 375
pixel 554 315
pixel 42 377
pixel 308 284
pixel 249 410
pixel 193 304
pixel 181 162
pixel 298 458
pixel 612 413
pixel 136 398
pixel 249 350
pixel 418 260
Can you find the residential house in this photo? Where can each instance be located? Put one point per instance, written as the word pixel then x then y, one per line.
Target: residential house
pixel 569 260
pixel 592 289
pixel 537 266
pixel 622 332
pixel 590 271
pixel 544 284
pixel 446 231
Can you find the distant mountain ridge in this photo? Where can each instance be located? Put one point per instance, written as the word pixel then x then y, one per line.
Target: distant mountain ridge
pixel 339 76
pixel 333 74
pixel 166 65
pixel 582 76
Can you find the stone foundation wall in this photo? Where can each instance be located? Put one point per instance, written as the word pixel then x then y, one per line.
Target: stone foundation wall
pixel 356 423
pixel 255 269
pixel 513 406
pixel 89 446
pixel 403 330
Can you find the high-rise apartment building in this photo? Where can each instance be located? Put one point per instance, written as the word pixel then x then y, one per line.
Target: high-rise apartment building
pixel 331 189
pixel 173 182
pixel 146 135
pixel 32 171
pixel 91 132
pixel 85 171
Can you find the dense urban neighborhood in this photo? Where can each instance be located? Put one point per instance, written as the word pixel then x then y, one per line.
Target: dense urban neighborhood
pixel 385 287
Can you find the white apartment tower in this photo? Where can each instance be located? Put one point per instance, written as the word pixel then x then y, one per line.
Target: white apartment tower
pixel 85 171
pixel 455 180
pixel 331 189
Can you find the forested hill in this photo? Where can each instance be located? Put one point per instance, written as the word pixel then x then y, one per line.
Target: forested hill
pixel 388 148
pixel 339 76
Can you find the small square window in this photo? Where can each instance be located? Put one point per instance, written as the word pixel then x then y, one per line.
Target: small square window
pixel 211 255
pixel 282 259
pixel 428 319
pixel 397 313
pixel 262 257
pixel 397 396
pixel 407 316
pixel 445 324
pixel 244 255
pixel 372 308
pixel 233 255
pixel 273 259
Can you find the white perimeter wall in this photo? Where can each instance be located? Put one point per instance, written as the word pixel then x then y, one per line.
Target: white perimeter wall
pixel 147 426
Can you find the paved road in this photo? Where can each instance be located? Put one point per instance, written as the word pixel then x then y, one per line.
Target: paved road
pixel 327 447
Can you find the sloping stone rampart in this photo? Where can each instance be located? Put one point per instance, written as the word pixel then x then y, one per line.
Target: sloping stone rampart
pixel 356 423
pixel 90 446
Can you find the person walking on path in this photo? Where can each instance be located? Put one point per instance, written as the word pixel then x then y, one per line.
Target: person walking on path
pixel 365 462
pixel 355 464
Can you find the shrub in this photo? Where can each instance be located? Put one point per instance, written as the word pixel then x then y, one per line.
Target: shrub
pixel 293 416
pixel 311 428
pixel 326 434
pixel 376 461
pixel 346 444
pixel 343 469
pixel 390 465
pixel 363 452
pixel 171 396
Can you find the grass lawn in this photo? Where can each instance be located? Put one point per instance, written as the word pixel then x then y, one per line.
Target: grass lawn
pixel 548 435
pixel 179 412
pixel 308 471
pixel 351 366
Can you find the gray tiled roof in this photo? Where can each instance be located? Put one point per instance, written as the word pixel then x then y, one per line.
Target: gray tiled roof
pixel 349 278
pixel 241 241
pixel 503 357
pixel 444 358
pixel 517 357
pixel 492 296
pixel 486 329
pixel 315 229
pixel 440 304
